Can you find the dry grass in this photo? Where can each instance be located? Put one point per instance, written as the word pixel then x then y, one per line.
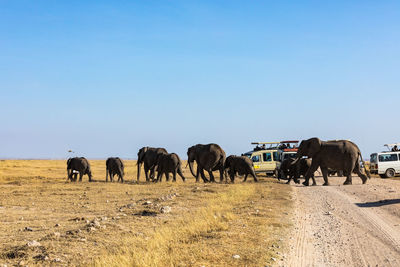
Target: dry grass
pixel 207 225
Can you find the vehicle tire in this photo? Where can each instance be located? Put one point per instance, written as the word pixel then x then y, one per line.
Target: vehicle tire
pixel 389 173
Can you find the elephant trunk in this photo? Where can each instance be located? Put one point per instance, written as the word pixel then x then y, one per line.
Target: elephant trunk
pixel 191 167
pixel 139 166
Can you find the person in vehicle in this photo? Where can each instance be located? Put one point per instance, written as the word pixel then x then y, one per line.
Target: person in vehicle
pixel 263 147
pixel 395 148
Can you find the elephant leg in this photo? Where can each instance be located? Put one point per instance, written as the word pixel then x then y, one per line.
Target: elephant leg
pixel 80 176
pixel 314 166
pixel 211 176
pixel 203 176
pixel 313 180
pixel 245 177
pixel 174 176
pixel 159 176
pixel 152 173
pixel 112 177
pixel 167 176
pixel 75 177
pixel 349 179
pixel 221 175
pixel 232 175
pixel 146 172
pixel 252 173
pixel 325 175
pixel 363 177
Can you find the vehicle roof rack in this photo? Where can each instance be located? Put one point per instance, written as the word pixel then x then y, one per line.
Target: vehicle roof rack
pixel 394 144
pixel 266 143
pixel 290 141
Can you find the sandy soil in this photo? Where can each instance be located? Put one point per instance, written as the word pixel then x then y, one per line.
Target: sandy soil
pixel 353 225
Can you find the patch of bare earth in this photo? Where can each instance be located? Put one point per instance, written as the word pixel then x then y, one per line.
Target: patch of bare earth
pixel 353 225
pixel 45 220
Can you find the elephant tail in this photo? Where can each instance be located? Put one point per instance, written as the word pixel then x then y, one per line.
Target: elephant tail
pixel 365 169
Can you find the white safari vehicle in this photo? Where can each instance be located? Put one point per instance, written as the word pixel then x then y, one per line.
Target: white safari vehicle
pixel 387 163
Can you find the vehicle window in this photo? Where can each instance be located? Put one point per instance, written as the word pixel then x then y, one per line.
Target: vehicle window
pixel 388 157
pixel 256 158
pixel 373 157
pixel 267 157
pixel 275 154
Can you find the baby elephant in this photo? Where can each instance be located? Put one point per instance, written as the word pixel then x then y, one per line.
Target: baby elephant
pixel 240 165
pixel 167 163
pixel 294 171
pixel 78 165
pixel 288 170
pixel 115 166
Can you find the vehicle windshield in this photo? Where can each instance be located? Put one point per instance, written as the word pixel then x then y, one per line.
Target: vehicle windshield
pixel 289 156
pixel 247 155
pixel 373 158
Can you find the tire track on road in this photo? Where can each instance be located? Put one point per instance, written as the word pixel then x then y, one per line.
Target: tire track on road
pixel 331 230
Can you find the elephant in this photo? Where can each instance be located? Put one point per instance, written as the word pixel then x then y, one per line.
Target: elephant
pixel 115 166
pixel 296 169
pixel 340 155
pixel 241 165
pixel 302 167
pixel 78 165
pixel 288 170
pixel 210 157
pixel 148 157
pixel 169 163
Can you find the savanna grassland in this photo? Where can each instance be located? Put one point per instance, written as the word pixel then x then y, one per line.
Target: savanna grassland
pixel 136 224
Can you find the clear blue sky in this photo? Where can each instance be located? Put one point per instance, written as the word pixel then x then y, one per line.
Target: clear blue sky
pixel 105 78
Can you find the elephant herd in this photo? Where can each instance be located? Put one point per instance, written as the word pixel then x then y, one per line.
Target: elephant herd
pixel 340 155
pixel 210 157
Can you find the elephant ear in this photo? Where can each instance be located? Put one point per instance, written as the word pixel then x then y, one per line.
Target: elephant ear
pixel 314 145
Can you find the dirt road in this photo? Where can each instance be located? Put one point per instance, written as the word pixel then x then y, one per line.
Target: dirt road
pixel 353 225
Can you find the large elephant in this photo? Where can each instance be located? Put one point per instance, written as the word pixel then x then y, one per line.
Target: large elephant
pixel 169 163
pixel 148 157
pixel 239 165
pixel 340 155
pixel 78 165
pixel 115 166
pixel 210 157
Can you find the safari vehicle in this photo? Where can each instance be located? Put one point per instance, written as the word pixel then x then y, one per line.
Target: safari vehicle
pixel 266 156
pixel 387 163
